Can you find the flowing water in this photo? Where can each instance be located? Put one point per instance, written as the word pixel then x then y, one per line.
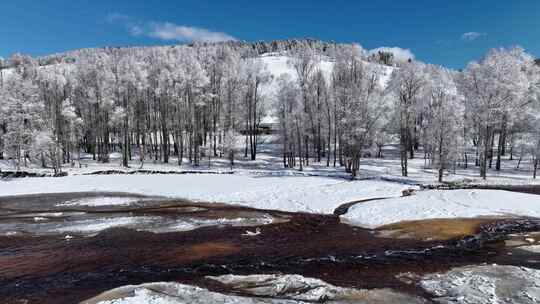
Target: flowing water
pixel 65 248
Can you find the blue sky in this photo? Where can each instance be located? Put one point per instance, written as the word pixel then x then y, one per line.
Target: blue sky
pixel 449 33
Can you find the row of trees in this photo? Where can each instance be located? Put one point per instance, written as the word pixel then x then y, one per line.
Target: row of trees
pixel 157 101
pixel 489 108
pixel 450 116
pixel 196 101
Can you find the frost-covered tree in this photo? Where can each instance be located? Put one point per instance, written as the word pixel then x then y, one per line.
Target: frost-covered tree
pixel 304 63
pixel 46 148
pixel 229 145
pixel 321 113
pixel 255 74
pixel 361 104
pixel 22 110
pixel 290 113
pixel 406 86
pixel 494 88
pixel 191 102
pixel 443 118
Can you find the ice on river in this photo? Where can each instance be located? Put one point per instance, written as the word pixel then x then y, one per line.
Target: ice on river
pixel 174 293
pixel 101 201
pixel 90 225
pixel 311 290
pixel 531 248
pixel 257 289
pixel 485 284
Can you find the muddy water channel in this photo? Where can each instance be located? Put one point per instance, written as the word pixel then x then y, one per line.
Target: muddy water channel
pixel 65 248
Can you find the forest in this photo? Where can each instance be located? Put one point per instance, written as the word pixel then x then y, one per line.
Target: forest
pixel 341 104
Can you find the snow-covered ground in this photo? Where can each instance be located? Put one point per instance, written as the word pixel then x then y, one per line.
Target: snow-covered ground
pixel 420 171
pixel 278 65
pixel 432 204
pixel 285 193
pixel 265 184
pixel 269 162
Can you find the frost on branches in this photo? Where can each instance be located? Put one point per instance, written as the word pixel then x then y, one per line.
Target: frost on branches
pixel 333 104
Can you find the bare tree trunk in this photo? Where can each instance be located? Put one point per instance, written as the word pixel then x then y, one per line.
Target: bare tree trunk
pixel 299 139
pixel 410 143
pixel 501 145
pixel 329 143
pixel 306 146
pixel 141 150
pixel 441 160
pixel 180 148
pixel 403 151
pixel 125 145
pixel 483 154
pixel 536 161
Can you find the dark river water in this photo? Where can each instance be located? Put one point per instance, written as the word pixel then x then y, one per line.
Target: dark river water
pixel 54 251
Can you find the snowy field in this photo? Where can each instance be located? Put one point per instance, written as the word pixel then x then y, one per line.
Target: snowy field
pixel 269 163
pixel 285 193
pixel 265 184
pixel 294 194
pixel 434 204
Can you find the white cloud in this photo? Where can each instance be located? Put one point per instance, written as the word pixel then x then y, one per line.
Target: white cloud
pixel 171 31
pixel 400 54
pixel 167 30
pixel 472 36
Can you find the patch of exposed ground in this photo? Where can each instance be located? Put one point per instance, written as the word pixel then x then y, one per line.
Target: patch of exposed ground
pixel 434 229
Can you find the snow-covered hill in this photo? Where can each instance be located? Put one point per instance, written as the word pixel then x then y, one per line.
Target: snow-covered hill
pixel 279 64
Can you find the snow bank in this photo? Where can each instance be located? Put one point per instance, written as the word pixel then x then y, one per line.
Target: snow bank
pixel 290 193
pixel 443 204
pixel 485 284
pixel 299 288
pixel 172 293
pixel 285 286
pixel 265 289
